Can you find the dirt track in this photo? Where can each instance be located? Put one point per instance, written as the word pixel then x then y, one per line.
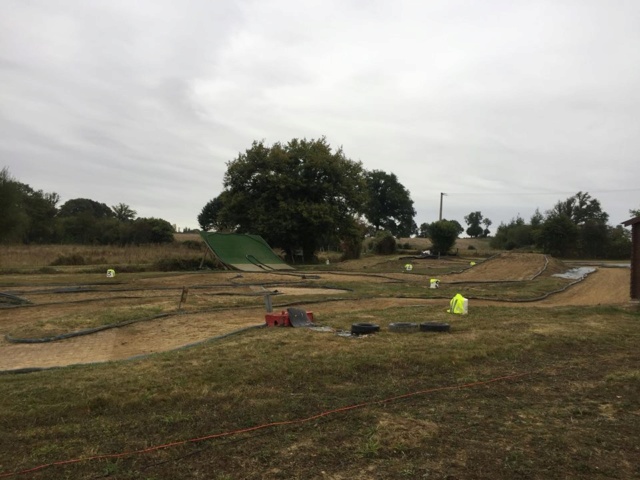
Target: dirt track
pixel 605 286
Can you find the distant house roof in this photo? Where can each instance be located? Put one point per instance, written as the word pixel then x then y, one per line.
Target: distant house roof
pixel 632 221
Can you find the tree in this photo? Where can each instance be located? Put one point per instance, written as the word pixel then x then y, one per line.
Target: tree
pixel 41 211
pixel 384 243
pixel 590 225
pixel 580 208
pixel 634 213
pixel 85 206
pixel 443 235
pixel 209 217
pixel 86 221
pixel 558 235
pixel 351 241
pixel 593 239
pixel 423 231
pixel 27 215
pixel 389 205
pixel 474 219
pixel 487 223
pixel 619 240
pixel 149 231
pixel 515 234
pixel 13 218
pixel 459 228
pixel 123 212
pixel 293 194
pixel 536 219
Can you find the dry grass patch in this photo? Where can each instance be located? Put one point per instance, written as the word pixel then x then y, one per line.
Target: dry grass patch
pixel 79 257
pixel 572 411
pixel 571 417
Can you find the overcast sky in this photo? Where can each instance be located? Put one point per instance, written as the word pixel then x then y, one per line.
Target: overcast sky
pixel 507 106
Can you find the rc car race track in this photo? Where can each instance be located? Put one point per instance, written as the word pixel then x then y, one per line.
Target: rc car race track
pixel 608 286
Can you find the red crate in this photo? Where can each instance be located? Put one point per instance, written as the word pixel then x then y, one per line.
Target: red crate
pixel 281 319
pixel 277 319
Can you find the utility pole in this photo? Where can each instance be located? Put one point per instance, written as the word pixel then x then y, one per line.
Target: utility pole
pixel 441 195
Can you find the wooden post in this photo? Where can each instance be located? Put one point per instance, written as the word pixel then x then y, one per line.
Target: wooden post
pixel 183 297
pixel 634 223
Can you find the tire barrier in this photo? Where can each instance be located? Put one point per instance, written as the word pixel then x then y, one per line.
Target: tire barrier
pixel 364 328
pixel 541 271
pixel 12 300
pixel 435 327
pixel 88 331
pixel 403 327
pixel 136 357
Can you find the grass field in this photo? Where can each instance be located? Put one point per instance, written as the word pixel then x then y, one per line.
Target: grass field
pixel 513 392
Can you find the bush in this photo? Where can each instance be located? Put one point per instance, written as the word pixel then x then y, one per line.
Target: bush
pixel 351 241
pixel 73 259
pixel 443 235
pixel 351 248
pixel 193 244
pixel 181 264
pixel 384 243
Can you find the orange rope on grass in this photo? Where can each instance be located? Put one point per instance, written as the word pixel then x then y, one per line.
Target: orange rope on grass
pixel 266 425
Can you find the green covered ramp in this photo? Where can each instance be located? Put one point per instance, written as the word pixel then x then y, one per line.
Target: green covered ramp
pixel 249 253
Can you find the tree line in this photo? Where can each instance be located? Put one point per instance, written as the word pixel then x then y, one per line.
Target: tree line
pixel 574 228
pixel 305 195
pixel 32 216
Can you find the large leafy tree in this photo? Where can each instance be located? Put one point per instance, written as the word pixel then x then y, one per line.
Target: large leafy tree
pixel 389 205
pixel 294 194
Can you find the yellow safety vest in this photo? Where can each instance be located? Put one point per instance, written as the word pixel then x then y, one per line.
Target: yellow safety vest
pixel 457 305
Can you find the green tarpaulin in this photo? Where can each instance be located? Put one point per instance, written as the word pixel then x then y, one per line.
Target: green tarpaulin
pixel 249 253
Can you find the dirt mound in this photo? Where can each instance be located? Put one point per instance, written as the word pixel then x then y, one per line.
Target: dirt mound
pixel 606 286
pixel 555 266
pixel 503 267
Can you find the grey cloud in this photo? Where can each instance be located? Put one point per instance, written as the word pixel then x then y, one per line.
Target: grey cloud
pixel 496 102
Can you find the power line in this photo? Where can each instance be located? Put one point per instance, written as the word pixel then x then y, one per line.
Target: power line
pixel 598 192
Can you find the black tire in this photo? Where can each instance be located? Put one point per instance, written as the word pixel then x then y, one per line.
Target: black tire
pixel 364 328
pixel 403 327
pixel 435 327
